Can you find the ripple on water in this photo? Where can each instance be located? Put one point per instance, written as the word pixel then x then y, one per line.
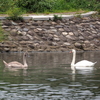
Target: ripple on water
pixel 51 79
pixel 47 80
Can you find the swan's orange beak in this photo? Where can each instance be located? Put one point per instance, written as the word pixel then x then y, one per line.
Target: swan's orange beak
pixel 70 52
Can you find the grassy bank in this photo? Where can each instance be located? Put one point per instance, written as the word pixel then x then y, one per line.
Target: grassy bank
pixel 2 36
pixel 48 6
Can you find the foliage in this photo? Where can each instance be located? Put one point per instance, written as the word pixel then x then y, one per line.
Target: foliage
pixel 35 6
pixel 61 5
pixel 56 17
pixel 15 14
pixel 55 5
pixel 98 10
pixel 2 36
pixel 5 5
pixel 84 4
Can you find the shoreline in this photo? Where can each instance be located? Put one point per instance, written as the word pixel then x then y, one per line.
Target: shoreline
pixel 51 16
pixel 81 33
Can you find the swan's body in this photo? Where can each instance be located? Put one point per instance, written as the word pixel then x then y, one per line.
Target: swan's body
pixel 17 64
pixel 84 64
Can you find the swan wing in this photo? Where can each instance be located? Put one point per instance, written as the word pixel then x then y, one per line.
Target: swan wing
pixel 15 64
pixel 84 63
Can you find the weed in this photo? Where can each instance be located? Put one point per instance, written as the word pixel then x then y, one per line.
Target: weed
pixel 78 16
pixel 2 36
pixel 98 11
pixel 56 17
pixel 48 6
pixel 15 14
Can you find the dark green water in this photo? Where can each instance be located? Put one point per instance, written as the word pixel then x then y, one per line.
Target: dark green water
pixel 49 77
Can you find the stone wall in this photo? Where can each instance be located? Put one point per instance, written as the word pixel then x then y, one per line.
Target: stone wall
pixel 79 33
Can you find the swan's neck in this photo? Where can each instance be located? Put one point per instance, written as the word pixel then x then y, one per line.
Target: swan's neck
pixel 73 61
pixel 24 61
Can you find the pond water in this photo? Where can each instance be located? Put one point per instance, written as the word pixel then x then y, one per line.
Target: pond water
pixel 49 77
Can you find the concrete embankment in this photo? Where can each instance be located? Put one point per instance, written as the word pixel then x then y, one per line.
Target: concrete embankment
pixel 81 33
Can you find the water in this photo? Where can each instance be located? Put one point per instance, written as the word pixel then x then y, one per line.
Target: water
pixel 49 77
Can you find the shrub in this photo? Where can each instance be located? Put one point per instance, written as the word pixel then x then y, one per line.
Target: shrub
pixel 5 5
pixel 98 11
pixel 50 5
pixel 2 36
pixel 36 5
pixel 15 14
pixel 56 17
pixel 84 4
pixel 61 5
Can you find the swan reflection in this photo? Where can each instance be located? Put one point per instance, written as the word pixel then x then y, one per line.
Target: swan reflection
pixel 85 73
pixel 16 71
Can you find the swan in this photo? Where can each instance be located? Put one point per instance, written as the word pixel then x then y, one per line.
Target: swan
pixel 84 64
pixel 15 64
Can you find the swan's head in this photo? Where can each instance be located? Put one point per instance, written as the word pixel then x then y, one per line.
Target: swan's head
pixel 73 50
pixel 25 54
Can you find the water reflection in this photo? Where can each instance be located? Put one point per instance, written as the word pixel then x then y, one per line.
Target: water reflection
pixel 16 71
pixel 49 77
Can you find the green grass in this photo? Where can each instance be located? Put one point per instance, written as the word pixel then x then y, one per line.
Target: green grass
pixel 50 6
pixel 2 36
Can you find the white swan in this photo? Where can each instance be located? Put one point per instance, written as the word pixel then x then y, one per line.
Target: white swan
pixel 84 64
pixel 16 64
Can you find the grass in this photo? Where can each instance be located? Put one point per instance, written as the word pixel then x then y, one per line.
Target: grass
pixel 2 36
pixel 61 12
pixel 56 17
pixel 50 6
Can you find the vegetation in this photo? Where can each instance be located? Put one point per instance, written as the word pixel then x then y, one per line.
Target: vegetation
pixel 49 5
pixel 15 8
pixel 2 36
pixel 98 11
pixel 56 17
pixel 15 14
